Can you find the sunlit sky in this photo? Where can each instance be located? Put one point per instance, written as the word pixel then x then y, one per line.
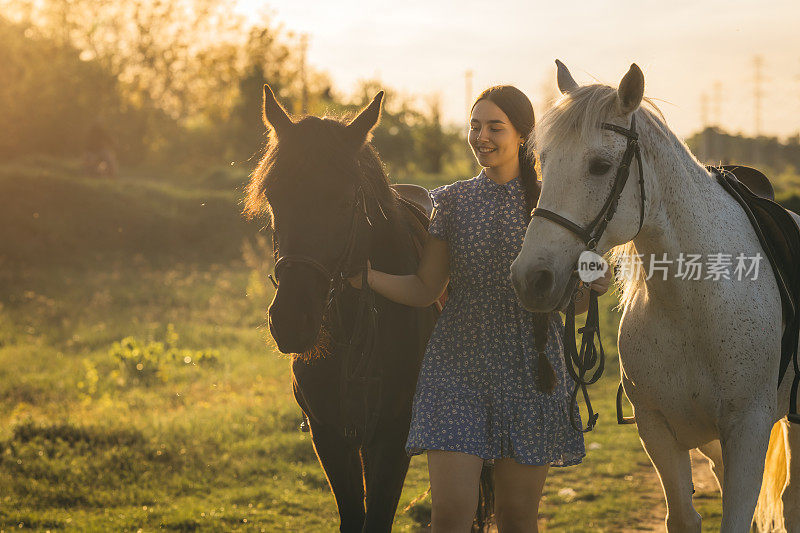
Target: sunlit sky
pixel 685 48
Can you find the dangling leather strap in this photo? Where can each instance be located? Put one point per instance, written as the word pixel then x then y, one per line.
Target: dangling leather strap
pixel 591 358
pixel 581 363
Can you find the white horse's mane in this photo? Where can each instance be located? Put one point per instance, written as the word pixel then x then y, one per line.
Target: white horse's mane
pixel 582 111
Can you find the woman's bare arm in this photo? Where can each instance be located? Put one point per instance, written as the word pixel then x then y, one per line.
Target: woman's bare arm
pixel 416 290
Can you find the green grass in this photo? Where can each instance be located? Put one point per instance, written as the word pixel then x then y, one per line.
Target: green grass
pixel 199 446
pixel 208 446
pixel 85 444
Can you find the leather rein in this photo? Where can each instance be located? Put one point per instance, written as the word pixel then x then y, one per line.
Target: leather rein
pixel 590 361
pixel 361 343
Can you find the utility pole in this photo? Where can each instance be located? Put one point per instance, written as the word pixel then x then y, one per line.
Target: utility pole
pixel 704 125
pixel 797 78
pixel 758 63
pixel 467 90
pixel 303 81
pixel 467 109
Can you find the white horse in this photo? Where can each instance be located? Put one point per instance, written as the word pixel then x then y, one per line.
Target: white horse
pixel 699 357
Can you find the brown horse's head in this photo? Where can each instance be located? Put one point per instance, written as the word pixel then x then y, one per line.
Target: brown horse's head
pixel 311 182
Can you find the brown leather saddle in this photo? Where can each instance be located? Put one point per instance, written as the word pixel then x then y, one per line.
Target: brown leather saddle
pixel 779 236
pixel 417 196
pixel 756 181
pixel 418 209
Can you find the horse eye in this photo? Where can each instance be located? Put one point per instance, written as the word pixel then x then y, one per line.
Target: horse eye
pixel 598 167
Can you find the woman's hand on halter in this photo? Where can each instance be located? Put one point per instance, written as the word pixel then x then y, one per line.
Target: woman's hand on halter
pixel 600 286
pixel 355 281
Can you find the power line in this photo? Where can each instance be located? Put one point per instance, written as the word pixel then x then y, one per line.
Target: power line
pixel 704 111
pixel 704 143
pixel 717 101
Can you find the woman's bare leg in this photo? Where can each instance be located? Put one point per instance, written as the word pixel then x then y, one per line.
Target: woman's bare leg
pixel 517 491
pixel 454 490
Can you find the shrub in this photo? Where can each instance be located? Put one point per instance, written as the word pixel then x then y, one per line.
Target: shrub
pixel 148 363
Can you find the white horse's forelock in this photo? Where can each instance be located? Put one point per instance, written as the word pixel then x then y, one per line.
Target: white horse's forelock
pixel 581 112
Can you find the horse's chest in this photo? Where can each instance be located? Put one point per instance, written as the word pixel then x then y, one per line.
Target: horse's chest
pixel 692 367
pixel 665 370
pixel 655 350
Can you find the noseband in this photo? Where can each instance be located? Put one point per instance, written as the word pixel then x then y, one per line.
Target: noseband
pixel 579 364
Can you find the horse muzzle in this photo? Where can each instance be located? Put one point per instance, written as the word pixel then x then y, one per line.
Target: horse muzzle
pixel 539 289
pixel 294 327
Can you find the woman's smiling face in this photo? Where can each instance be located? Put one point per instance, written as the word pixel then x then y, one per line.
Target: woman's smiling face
pixel 494 140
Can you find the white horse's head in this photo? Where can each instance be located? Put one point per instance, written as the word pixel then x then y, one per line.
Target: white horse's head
pixel 579 161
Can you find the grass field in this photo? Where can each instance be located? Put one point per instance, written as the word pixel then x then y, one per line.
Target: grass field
pixel 140 390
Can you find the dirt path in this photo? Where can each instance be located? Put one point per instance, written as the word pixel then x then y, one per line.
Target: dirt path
pixel 705 486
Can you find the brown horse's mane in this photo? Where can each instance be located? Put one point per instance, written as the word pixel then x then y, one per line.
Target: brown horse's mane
pixel 312 142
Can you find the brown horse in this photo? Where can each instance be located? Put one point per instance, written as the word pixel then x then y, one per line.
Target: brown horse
pixel 356 355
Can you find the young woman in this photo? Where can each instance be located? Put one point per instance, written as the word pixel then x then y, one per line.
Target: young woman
pixel 479 396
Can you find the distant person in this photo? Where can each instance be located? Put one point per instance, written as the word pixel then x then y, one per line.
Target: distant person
pixel 484 391
pixel 100 158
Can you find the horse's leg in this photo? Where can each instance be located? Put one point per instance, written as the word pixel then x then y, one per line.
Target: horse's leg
pixel 713 451
pixel 314 392
pixel 342 465
pixel 791 493
pixel 744 447
pixel 674 468
pixel 385 466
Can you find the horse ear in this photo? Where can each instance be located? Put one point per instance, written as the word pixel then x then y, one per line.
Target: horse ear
pixel 273 113
pixel 566 82
pixel 631 90
pixel 362 125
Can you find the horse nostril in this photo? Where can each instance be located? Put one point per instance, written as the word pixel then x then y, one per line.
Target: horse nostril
pixel 540 282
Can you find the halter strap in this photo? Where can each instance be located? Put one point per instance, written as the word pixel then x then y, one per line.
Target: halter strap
pixel 629 133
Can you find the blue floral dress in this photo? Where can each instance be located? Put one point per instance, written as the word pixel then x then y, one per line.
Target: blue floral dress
pixel 477 389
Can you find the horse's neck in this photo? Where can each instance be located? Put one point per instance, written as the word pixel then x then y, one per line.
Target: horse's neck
pixel 389 239
pixel 686 216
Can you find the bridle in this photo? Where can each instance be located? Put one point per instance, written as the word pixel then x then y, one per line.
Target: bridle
pixel 337 275
pixel 579 364
pixel 591 233
pixel 358 383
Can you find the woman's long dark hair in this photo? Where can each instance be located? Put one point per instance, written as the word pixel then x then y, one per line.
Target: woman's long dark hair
pixel 519 111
